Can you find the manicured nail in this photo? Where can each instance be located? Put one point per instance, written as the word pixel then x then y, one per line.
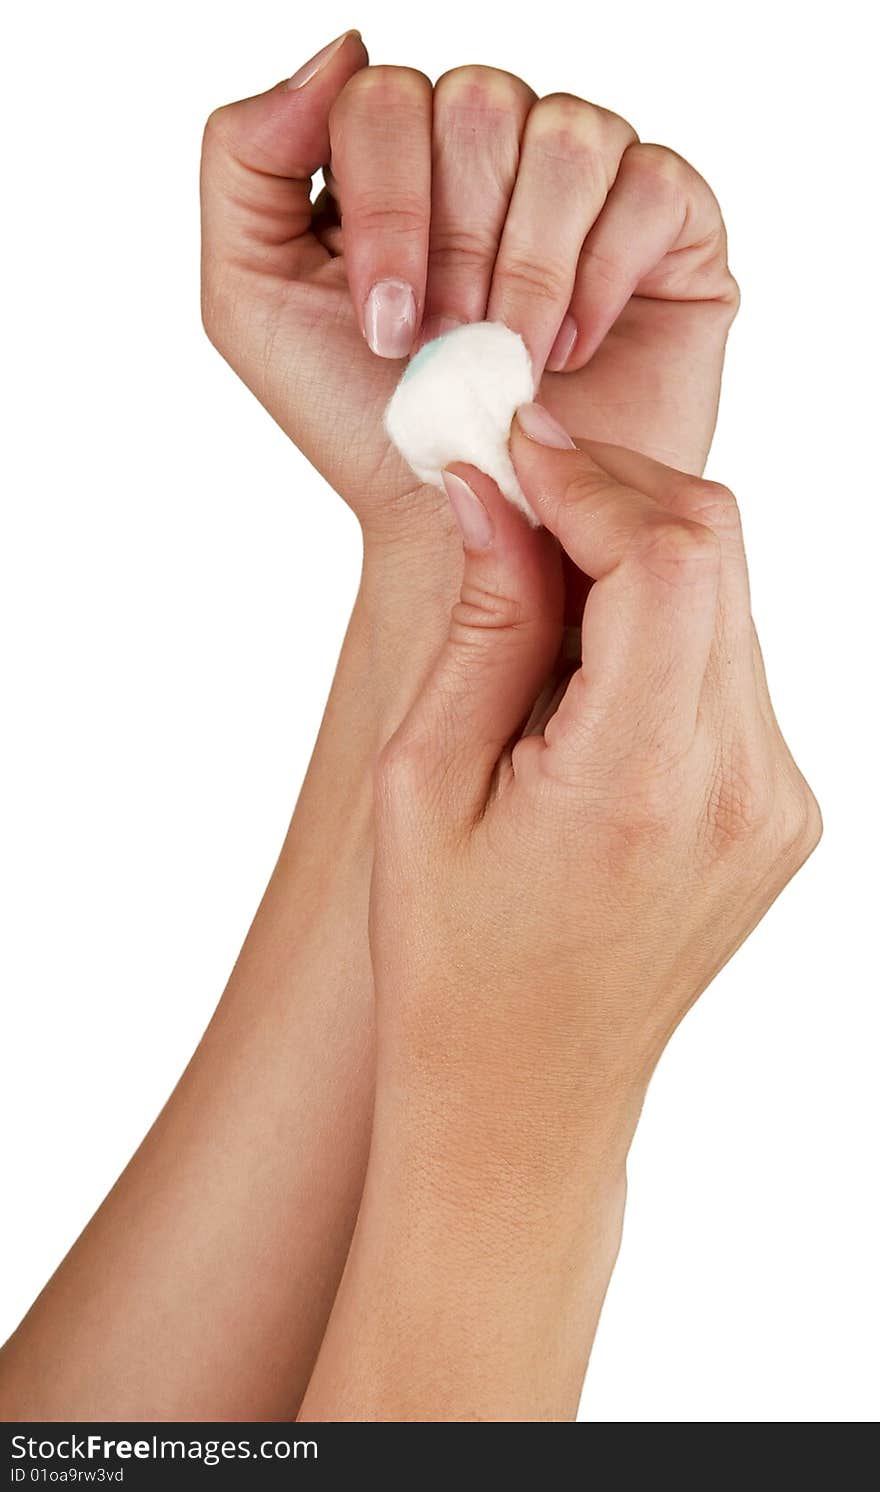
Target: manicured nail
pixel 563 347
pixel 320 59
pixel 390 318
pixel 538 424
pixel 436 326
pixel 476 526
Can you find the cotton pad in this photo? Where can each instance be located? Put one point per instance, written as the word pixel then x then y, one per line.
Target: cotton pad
pixel 456 400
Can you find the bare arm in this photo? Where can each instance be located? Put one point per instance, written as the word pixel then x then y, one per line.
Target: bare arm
pixel 202 1286
pixel 575 885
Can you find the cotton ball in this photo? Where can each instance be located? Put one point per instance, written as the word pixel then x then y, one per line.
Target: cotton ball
pixel 456 400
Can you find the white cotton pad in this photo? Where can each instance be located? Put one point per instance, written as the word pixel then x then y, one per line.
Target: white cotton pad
pixel 456 400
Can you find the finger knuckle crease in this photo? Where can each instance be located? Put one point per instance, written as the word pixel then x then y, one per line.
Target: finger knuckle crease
pixel 479 610
pixel 678 552
pixel 400 219
pixel 525 277
pixel 455 245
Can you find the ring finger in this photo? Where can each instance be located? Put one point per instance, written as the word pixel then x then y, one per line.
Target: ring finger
pixel 571 151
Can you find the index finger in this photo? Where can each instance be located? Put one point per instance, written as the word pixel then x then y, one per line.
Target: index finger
pixel 380 136
pixel 649 618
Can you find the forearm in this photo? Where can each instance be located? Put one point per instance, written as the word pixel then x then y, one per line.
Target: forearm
pixel 202 1286
pixel 477 1273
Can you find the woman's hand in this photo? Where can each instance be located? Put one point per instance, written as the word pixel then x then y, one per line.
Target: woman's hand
pixel 577 884
pixel 556 879
pixel 467 201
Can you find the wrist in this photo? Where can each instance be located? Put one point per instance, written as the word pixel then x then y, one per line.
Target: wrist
pixel 410 580
pixel 508 1158
pixel 466 1298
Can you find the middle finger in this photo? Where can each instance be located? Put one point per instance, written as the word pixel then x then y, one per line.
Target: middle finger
pixel 479 115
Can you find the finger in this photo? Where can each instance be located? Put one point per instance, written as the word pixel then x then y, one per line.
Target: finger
pixel 570 154
pixel 478 119
pixel 650 616
pixel 380 135
pixel 708 503
pixel 503 638
pixel 659 234
pixel 258 159
pixel 735 686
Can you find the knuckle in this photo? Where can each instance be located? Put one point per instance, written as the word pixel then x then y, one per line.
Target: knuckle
pixel 799 821
pixel 580 496
pixel 677 551
pixel 661 178
pixel 741 802
pixel 813 827
pixel 456 244
pixel 384 84
pixel 480 609
pixel 732 294
pixel 659 162
pixel 605 267
pixel 215 126
pixel 769 811
pixel 642 821
pixel 580 121
pixel 477 86
pixel 220 135
pixel 570 132
pixel 521 276
pixel 583 485
pixel 401 217
pixel 400 770
pixel 712 504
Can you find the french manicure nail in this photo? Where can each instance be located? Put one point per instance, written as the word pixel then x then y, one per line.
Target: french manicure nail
pixel 476 526
pixel 309 69
pixel 563 347
pixel 390 318
pixel 538 424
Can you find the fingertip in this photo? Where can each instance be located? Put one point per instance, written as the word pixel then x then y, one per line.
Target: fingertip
pixel 474 521
pixel 349 43
pixel 507 518
pixel 390 319
pixel 562 352
pixel 541 428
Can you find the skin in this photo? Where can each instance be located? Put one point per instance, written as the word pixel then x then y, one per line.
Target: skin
pixel 202 1287
pixel 575 886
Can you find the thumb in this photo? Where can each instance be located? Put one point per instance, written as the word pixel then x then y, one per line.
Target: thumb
pixel 258 158
pixel 504 635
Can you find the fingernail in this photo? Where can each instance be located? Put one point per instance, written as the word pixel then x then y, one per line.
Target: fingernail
pixel 476 526
pixel 563 347
pixel 436 326
pixel 309 69
pixel 390 318
pixel 538 424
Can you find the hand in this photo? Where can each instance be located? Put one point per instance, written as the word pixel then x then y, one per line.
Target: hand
pixel 607 255
pixel 549 901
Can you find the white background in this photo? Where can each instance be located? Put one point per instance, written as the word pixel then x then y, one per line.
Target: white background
pixel 176 580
